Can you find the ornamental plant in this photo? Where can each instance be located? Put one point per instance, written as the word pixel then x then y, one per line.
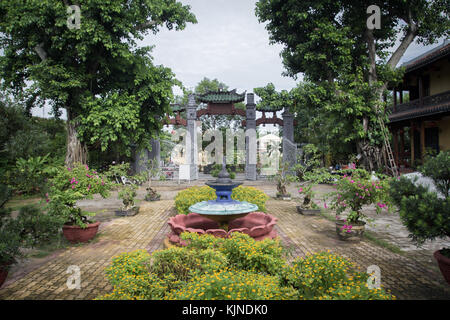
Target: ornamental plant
pixel 128 194
pixel 189 196
pixel 236 268
pixel 308 197
pixel 70 185
pixel 426 214
pixel 354 192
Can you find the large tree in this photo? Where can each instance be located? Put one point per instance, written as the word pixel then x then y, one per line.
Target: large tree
pixel 110 88
pixel 347 63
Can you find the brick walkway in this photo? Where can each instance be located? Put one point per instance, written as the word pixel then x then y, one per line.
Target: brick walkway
pixel 405 276
pixel 48 281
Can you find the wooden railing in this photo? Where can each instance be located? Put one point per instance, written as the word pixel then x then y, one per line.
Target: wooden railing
pixel 427 101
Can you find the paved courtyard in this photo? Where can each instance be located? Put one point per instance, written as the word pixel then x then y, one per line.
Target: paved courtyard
pixel 411 274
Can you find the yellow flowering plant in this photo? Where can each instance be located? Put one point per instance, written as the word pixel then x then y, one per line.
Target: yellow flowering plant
pixel 189 196
pixel 236 268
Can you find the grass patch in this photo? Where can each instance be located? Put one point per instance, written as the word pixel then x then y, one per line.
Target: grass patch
pixel 367 235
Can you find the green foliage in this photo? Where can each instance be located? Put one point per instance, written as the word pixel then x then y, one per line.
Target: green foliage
pixel 271 100
pixel 335 51
pixel 113 92
pixel 319 175
pixel 232 285
pixel 309 160
pixel 438 169
pixel 10 239
pixel 29 138
pixel 326 276
pixel 218 167
pixel 187 197
pixel 236 268
pixel 30 174
pixel 128 194
pixel 116 171
pixel 37 227
pixel 425 215
pixel 70 185
pixel 354 192
pixel 251 195
pixel 283 178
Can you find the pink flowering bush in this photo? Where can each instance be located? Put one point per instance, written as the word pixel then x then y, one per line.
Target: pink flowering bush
pixel 70 185
pixel 354 192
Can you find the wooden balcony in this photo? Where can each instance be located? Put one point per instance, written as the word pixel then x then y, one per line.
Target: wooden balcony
pixel 426 106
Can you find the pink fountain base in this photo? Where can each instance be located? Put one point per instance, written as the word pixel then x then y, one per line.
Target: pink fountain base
pixel 257 225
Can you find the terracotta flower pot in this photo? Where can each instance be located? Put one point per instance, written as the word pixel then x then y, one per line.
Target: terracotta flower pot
pixel 444 265
pixel 354 234
pixel 77 234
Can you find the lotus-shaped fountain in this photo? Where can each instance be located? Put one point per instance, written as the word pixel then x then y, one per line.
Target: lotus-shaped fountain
pixel 223 216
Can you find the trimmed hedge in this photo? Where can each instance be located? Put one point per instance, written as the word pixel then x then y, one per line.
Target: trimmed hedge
pixel 192 195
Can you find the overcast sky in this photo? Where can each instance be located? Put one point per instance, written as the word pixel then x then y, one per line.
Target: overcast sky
pixel 227 44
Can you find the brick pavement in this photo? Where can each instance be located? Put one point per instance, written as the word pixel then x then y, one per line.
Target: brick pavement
pixel 48 280
pixel 406 276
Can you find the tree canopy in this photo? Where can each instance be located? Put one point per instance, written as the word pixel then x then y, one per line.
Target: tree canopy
pixel 346 64
pixel 112 91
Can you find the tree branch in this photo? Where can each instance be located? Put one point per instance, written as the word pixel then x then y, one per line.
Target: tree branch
pixel 40 51
pixel 406 41
pixel 146 24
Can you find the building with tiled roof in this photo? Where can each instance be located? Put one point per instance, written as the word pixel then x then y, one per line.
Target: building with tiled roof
pixel 420 114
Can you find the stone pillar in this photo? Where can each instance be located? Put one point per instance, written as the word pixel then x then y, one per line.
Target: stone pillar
pixel 250 139
pixel 289 147
pixel 191 141
pixel 140 160
pixel 155 153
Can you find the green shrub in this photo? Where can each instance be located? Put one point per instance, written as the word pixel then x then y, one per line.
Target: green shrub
pixel 70 185
pixel 234 268
pixel 232 285
pixel 327 276
pixel 425 215
pixel 38 227
pixel 187 197
pixel 252 195
pixel 242 251
pixel 10 239
pixel 128 194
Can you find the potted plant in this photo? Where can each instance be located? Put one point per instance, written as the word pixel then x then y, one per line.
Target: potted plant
pixel 67 187
pixel 128 194
pixel 426 212
pixel 283 178
pixel 308 206
pixel 153 172
pixel 352 193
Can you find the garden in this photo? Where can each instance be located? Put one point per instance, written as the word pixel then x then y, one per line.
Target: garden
pixel 95 203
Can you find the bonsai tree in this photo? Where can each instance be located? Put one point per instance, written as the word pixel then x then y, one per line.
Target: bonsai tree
pixel 308 197
pixel 153 171
pixel 128 194
pixel 283 179
pixel 70 185
pixel 308 160
pixel 426 214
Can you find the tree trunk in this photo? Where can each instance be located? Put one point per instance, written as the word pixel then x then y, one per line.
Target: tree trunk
pixel 76 150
